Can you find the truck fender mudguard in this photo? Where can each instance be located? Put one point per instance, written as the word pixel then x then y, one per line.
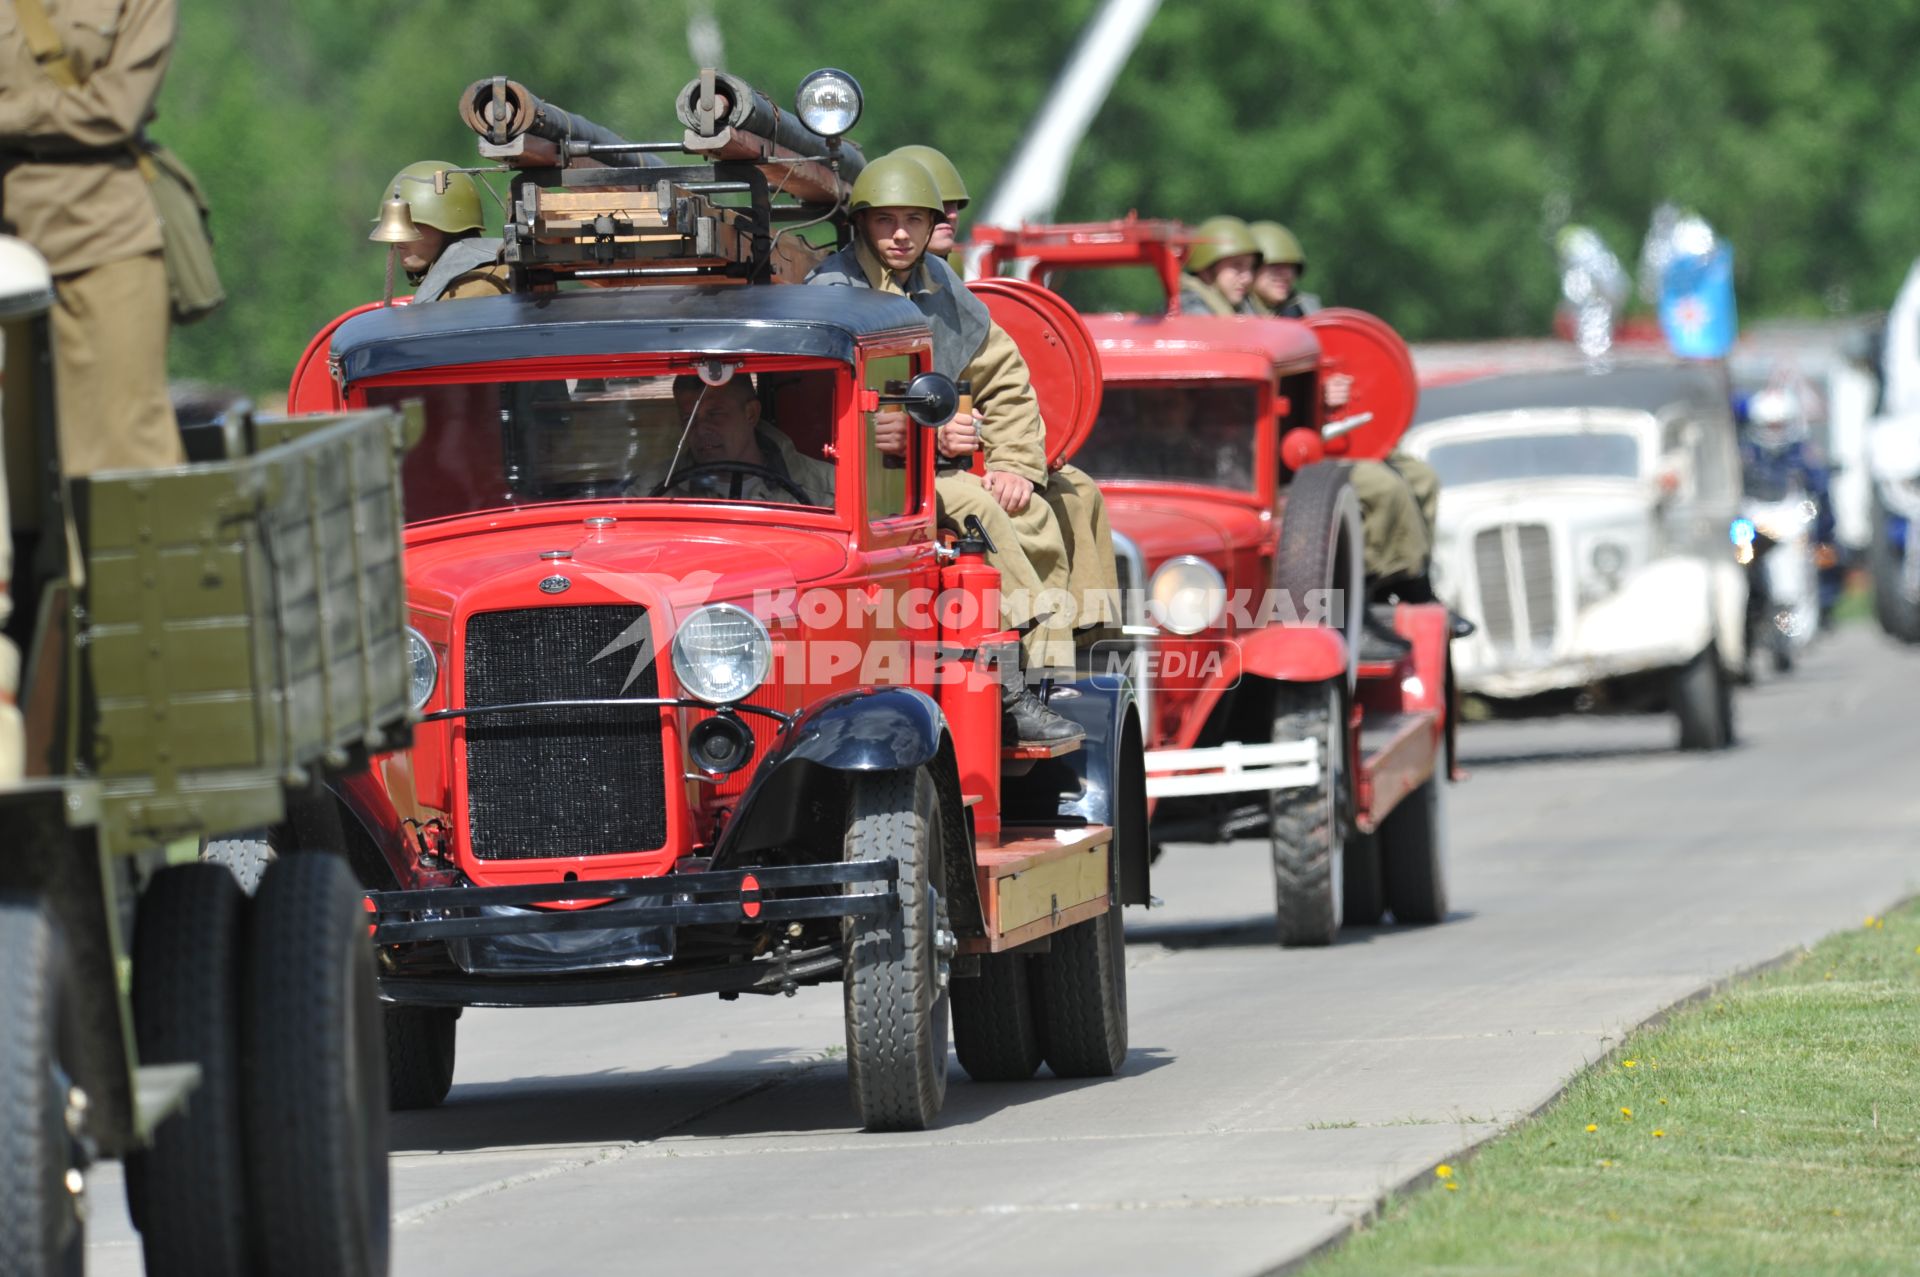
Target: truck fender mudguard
pixel 1101 783
pixel 1294 653
pixel 363 798
pixel 865 730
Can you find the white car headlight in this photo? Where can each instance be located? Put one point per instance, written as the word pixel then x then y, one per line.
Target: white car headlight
pixel 1187 595
pixel 829 102
pixel 721 654
pixel 423 668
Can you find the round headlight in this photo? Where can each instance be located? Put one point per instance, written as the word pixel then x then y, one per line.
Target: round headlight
pixel 1608 558
pixel 423 668
pixel 829 102
pixel 721 654
pixel 1187 595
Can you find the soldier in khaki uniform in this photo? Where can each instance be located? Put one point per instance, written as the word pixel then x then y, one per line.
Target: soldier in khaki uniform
pixel 895 207
pixel 1093 577
pixel 449 258
pixel 1283 263
pixel 1220 269
pixel 73 190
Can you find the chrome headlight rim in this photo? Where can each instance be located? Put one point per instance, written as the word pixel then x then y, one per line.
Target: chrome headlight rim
pixel 420 654
pixel 1166 616
pixel 690 674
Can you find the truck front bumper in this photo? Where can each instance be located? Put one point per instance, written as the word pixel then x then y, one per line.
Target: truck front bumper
pixel 1232 768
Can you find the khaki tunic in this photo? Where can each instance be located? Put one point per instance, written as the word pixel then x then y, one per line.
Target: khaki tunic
pixel 1396 533
pixel 488 281
pixel 93 219
pixel 1198 297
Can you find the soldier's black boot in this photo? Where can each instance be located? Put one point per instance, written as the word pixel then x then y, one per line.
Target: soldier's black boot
pixel 1025 718
pixel 1379 643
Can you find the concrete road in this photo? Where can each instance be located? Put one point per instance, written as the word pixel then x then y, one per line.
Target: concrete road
pixel 1271 1099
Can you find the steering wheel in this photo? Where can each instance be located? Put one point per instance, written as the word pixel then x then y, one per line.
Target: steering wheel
pixel 740 470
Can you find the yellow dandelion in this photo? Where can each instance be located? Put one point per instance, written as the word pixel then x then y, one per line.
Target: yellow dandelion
pixel 1592 1127
pixel 1663 1101
pixel 1451 1187
pixel 1659 1134
pixel 1629 1064
pixel 1869 922
pixel 1606 1161
pixel 1626 1113
pixel 1443 1171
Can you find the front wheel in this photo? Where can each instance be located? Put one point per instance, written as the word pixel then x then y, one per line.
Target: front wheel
pixel 1308 825
pixel 896 964
pixel 40 1216
pixel 1703 702
pixel 420 1053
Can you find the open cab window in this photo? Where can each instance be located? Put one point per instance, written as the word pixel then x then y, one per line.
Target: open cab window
pixel 1176 432
pixel 764 435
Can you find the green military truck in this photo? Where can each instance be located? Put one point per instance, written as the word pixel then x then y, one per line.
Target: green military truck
pixel 220 639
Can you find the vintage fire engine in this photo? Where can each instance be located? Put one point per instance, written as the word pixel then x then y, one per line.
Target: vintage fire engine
pixel 704 725
pixel 1226 490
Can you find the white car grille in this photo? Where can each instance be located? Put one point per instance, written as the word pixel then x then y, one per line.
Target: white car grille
pixel 1513 564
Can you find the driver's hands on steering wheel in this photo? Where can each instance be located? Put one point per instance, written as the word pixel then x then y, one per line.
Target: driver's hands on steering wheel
pixel 961 436
pixel 890 426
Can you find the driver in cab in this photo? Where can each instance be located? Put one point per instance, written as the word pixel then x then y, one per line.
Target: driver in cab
pixel 729 451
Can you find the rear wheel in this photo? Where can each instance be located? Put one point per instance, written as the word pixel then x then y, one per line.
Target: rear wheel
pixel 1080 984
pixel 316 1087
pixel 40 1220
pixel 420 1053
pixel 1897 610
pixel 1413 855
pixel 1703 702
pixel 1362 896
pixel 896 966
pixel 995 1033
pixel 188 1191
pixel 1308 824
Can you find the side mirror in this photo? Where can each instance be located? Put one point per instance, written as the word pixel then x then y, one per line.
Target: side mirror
pixel 930 399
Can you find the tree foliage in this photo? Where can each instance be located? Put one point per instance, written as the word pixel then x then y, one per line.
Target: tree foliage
pixel 1425 151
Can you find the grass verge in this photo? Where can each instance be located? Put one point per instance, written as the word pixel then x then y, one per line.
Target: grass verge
pixel 1774 1128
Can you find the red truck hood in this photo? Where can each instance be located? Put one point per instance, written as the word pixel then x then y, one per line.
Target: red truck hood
pixel 1166 523
pixel 683 563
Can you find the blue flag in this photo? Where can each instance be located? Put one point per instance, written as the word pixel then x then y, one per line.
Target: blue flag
pixel 1696 304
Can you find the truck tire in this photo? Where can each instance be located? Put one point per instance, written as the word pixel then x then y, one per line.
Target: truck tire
pixel 1362 894
pixel 896 974
pixel 315 1088
pixel 1308 826
pixel 1413 840
pixel 420 1055
pixel 40 1227
pixel 995 1033
pixel 188 1192
pixel 1080 992
pixel 247 857
pixel 1703 702
pixel 1898 615
pixel 1320 551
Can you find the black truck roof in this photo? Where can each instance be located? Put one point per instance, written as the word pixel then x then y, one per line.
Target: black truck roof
pixel 823 323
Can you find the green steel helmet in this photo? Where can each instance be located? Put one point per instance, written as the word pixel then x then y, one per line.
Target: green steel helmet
pixel 454 209
pixel 1220 237
pixel 896 181
pixel 1278 245
pixel 945 175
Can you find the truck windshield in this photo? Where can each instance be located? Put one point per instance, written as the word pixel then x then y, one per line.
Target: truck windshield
pixel 1193 433
pixel 761 438
pixel 1586 454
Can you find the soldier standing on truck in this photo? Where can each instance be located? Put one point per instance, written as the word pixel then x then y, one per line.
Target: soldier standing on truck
pixel 1093 578
pixel 448 258
pixel 895 206
pixel 81 78
pixel 1220 269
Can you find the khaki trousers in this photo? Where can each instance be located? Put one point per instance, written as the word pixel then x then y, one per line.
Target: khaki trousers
pixel 1397 537
pixel 1032 558
pixel 110 368
pixel 1093 578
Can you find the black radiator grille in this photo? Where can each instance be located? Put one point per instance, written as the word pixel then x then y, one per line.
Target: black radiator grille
pixel 562 782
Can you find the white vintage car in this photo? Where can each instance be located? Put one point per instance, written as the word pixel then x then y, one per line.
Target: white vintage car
pixel 1583 527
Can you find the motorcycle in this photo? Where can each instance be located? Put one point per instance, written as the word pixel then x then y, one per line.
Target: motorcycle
pixel 1773 538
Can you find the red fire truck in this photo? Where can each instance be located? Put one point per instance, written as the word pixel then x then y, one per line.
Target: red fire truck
pixel 1228 492
pixel 713 726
